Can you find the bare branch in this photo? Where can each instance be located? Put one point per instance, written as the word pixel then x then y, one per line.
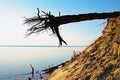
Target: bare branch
pixel 59 13
pixel 38 13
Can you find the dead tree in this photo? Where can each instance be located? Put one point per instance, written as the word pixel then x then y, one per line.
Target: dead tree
pixel 48 21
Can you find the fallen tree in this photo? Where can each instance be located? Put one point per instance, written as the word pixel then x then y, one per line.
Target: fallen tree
pixel 48 21
pixel 99 61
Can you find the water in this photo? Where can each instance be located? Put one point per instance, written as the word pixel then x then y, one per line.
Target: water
pixel 15 61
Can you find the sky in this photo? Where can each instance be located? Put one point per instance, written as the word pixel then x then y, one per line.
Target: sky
pixel 12 13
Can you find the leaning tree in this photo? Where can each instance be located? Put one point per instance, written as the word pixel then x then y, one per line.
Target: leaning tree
pixel 99 61
pixel 48 21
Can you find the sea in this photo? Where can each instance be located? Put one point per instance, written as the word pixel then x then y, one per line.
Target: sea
pixel 15 60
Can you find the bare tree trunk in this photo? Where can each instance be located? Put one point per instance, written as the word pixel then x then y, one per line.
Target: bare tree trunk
pixel 49 21
pixel 82 17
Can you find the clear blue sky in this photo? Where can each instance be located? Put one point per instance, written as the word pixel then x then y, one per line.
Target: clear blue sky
pixel 12 30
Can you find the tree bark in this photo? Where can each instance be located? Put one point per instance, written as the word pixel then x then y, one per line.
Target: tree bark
pixel 82 17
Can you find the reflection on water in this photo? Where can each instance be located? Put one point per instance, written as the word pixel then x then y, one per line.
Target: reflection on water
pixel 15 61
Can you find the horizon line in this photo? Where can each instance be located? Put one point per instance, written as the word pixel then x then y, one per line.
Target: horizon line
pixel 41 46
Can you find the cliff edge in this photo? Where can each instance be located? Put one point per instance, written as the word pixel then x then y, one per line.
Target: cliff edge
pixel 100 61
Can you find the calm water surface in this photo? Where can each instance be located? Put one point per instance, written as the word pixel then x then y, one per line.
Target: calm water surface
pixel 15 61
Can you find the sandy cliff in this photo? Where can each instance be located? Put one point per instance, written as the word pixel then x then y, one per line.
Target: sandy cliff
pixel 100 61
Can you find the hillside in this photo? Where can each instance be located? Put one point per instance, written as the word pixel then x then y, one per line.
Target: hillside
pixel 100 61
